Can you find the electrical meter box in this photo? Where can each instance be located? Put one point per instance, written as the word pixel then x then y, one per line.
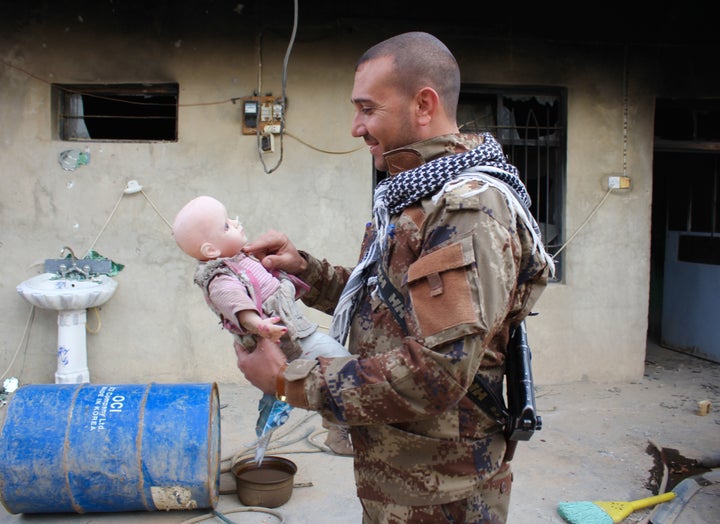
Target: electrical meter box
pixel 262 114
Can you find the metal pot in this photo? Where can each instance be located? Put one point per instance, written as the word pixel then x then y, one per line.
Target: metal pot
pixel 267 485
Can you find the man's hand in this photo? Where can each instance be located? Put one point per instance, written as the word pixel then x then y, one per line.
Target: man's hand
pixel 262 366
pixel 275 251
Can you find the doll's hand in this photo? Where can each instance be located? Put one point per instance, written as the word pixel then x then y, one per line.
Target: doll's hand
pixel 275 251
pixel 269 328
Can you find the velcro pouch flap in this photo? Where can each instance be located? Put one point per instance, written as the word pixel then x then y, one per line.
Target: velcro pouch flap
pixel 450 257
pixel 443 286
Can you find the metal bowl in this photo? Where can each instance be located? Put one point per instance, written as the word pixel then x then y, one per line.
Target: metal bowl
pixel 267 485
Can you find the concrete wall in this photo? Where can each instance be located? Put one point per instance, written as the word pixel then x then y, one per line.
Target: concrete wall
pixel 592 325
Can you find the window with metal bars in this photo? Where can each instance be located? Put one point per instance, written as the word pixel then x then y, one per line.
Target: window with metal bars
pixel 530 125
pixel 687 175
pixel 117 112
pixel 690 183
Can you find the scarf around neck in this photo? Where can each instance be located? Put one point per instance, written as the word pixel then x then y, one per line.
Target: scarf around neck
pixel 394 194
pixel 408 187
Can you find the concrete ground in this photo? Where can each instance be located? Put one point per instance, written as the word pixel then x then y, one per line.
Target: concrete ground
pixel 598 442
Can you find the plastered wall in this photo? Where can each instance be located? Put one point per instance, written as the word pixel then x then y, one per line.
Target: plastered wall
pixel 591 325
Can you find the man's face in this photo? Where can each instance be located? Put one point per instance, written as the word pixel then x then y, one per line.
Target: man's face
pixel 383 113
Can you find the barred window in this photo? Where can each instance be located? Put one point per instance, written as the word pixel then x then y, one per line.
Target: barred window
pixel 116 112
pixel 530 125
pixel 687 135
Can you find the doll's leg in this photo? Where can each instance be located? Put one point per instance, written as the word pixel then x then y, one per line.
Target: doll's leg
pixel 321 345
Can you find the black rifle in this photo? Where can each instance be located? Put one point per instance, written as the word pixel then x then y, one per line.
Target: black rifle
pixel 523 420
pixel 519 418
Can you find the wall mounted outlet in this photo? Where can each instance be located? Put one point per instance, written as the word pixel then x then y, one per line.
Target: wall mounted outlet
pixel 618 182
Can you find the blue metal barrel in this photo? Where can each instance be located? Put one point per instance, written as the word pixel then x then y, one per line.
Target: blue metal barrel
pixel 116 447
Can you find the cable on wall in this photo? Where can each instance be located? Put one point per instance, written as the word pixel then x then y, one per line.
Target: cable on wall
pixel 284 97
pixel 625 107
pixel 592 213
pixel 625 83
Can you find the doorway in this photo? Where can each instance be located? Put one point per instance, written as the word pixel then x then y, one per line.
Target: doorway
pixel 685 253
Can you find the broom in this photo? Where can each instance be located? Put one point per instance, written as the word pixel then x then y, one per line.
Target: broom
pixel 606 512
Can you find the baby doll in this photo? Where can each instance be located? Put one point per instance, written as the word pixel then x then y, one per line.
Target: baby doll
pixel 249 300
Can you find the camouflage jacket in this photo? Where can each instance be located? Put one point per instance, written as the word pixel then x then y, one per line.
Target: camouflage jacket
pixel 466 270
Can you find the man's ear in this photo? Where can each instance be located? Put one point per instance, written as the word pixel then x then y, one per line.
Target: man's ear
pixel 209 251
pixel 427 101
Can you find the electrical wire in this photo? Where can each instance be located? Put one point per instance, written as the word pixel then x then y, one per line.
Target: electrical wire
pixel 284 97
pixel 254 509
pixel 98 324
pixel 110 98
pixel 625 82
pixel 31 315
pixel 610 190
pixel 324 150
pixel 117 204
pixel 102 229
pixel 152 204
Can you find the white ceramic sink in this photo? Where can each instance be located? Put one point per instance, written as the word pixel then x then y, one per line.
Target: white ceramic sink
pixel 48 291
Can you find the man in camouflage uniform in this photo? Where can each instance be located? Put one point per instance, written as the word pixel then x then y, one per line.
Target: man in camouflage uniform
pixel 451 261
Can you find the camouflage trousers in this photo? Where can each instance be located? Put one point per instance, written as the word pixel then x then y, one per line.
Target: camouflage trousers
pixel 487 505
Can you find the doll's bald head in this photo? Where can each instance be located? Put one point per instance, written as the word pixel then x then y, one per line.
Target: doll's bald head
pixel 197 224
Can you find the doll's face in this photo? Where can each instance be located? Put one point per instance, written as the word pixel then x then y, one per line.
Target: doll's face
pixel 228 236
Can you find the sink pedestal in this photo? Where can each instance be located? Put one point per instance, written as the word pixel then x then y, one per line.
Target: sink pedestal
pixel 72 365
pixel 71 299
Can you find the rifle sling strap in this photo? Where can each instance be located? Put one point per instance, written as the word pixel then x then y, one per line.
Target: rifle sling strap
pixel 394 300
pixel 484 397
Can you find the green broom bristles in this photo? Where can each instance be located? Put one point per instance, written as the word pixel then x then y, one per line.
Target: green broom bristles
pixel 607 511
pixel 583 513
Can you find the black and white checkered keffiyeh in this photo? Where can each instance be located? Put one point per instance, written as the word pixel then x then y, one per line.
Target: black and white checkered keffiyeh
pixel 394 194
pixel 410 186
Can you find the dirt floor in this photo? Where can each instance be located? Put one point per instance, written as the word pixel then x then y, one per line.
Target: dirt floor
pixel 598 442
pixel 611 441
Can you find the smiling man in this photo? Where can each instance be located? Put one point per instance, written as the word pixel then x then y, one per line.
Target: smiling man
pixel 451 262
